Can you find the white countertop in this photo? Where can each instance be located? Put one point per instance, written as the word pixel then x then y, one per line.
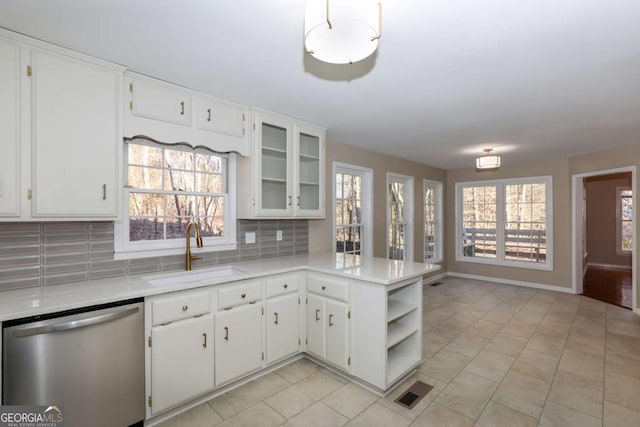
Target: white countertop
pixel 20 303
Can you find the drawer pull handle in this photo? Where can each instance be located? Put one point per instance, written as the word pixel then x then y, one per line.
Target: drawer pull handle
pixel 182 108
pixel 209 113
pixel 104 191
pixel 204 344
pixel 317 314
pixel 243 295
pixel 331 320
pixel 324 287
pixel 276 321
pixel 185 307
pixel 226 333
pixel 285 286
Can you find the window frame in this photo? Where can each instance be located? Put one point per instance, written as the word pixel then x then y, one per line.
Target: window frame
pixel 126 249
pixel 500 185
pixel 619 221
pixel 407 254
pixel 366 174
pixel 438 189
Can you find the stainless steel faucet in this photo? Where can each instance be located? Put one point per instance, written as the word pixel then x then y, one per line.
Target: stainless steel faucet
pixel 190 257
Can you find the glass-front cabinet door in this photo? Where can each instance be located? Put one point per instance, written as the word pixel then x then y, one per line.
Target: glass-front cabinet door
pixel 309 167
pixel 274 197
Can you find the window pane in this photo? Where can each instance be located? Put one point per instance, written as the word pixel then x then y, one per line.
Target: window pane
pixel 177 180
pixel 143 155
pixel 208 183
pixel 143 204
pixel 145 228
pixel 147 178
pixel 176 159
pixel 211 226
pixel 177 205
pixel 210 206
pixel 176 228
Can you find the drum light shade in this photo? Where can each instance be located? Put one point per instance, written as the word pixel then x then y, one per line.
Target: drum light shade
pixel 489 161
pixel 342 31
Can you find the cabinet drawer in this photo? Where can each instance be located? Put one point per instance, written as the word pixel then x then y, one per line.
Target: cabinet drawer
pixel 241 293
pixel 328 286
pixel 284 284
pixel 181 306
pixel 221 118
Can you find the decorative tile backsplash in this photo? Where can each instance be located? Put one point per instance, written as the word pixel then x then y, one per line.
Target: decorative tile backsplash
pixel 40 254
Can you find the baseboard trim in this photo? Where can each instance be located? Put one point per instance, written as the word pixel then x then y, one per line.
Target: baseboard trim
pixel 512 282
pixel 611 266
pixel 432 279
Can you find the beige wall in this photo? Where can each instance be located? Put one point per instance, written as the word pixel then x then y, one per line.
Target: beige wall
pixel 602 195
pixel 559 170
pixel 321 231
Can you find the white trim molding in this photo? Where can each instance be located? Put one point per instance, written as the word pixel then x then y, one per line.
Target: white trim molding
pixel 513 282
pixel 611 266
pixel 434 278
pixel 577 249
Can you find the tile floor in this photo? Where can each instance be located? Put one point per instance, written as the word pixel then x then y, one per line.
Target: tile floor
pixel 497 355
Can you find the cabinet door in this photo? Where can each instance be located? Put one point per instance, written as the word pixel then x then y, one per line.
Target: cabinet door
pixel 221 118
pixel 316 325
pixel 282 327
pixel 160 103
pixel 309 161
pixel 337 334
pixel 75 137
pixel 238 342
pixel 181 361
pixel 9 123
pixel 273 161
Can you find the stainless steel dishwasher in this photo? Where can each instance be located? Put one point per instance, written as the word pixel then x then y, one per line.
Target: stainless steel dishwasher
pixel 90 361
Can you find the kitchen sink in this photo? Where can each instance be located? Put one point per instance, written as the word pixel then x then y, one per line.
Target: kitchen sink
pixel 194 276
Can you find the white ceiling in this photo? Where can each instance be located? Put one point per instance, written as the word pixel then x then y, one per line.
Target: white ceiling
pixel 533 78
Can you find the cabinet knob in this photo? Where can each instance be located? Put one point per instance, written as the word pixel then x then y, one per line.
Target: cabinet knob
pixel 324 287
pixel 243 295
pixel 285 286
pixel 185 307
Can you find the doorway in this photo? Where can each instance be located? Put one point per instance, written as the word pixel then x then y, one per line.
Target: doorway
pixel 604 236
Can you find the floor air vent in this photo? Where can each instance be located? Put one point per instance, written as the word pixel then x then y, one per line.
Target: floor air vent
pixel 436 284
pixel 414 394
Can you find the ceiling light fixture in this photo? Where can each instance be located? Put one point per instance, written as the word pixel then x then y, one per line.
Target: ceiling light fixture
pixel 488 161
pixel 342 31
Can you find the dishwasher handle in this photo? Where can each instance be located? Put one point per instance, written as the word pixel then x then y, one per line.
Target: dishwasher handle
pixel 75 324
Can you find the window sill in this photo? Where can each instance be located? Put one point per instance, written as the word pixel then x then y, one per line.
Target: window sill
pixel 433 260
pixel 149 253
pixel 500 263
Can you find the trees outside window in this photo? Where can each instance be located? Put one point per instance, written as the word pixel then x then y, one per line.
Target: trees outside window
pixel 505 222
pixel 399 217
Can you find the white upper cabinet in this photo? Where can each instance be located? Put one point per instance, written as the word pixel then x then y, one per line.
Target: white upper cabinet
pixel 9 128
pixel 161 103
pixel 60 133
pixel 170 113
pixel 222 118
pixel 309 168
pixel 284 178
pixel 75 137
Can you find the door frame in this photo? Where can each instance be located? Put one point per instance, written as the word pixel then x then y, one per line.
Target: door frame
pixel 577 253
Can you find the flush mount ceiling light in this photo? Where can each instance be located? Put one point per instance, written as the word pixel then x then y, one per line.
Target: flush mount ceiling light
pixel 342 31
pixel 488 161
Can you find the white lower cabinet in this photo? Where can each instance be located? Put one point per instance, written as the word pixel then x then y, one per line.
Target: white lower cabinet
pixel 238 341
pixel 316 330
pixel 337 348
pixel 181 361
pixel 283 338
pixel 327 318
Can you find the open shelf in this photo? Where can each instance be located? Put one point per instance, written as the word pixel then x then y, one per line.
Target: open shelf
pixel 397 309
pixel 398 331
pixel 308 158
pixel 275 151
pixel 274 180
pixel 401 359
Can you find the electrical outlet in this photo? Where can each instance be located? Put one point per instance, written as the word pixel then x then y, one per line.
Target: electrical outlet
pixel 279 235
pixel 250 238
